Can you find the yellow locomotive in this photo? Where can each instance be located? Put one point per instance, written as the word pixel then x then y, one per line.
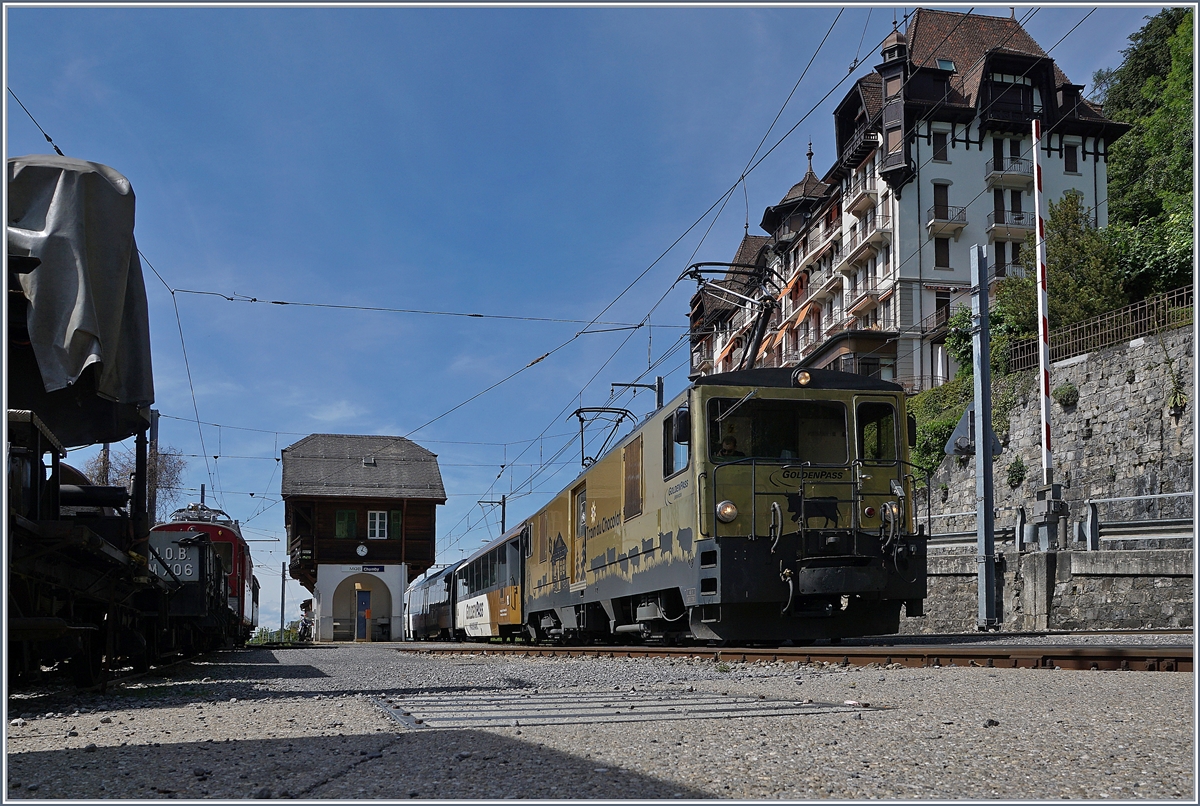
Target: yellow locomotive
pixel 758 505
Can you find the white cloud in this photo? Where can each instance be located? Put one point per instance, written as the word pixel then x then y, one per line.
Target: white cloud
pixel 339 411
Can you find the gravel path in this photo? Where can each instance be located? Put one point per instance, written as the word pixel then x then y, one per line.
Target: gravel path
pixel 309 723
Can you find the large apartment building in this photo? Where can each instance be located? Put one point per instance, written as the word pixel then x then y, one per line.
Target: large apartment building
pixel 933 156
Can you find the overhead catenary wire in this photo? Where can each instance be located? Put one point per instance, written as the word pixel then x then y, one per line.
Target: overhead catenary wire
pixel 53 145
pixel 188 369
pixel 382 309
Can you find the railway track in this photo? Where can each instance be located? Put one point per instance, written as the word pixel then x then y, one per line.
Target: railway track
pixel 1157 658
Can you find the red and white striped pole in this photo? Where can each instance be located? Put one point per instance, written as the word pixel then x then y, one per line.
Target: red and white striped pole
pixel 1043 305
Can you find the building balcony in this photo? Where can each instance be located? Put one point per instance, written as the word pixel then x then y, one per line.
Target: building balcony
pixel 824 284
pixel 935 323
pixel 1007 115
pixel 791 357
pixel 862 143
pixel 1010 172
pixel 863 299
pixel 947 220
pixel 863 195
pixel 871 232
pixel 836 327
pixel 1009 225
pixel 702 356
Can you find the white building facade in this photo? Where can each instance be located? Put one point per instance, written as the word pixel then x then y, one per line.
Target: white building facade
pixel 934 156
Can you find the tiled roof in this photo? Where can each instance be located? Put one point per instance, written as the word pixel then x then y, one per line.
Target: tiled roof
pixel 807 188
pixel 966 40
pixel 747 252
pixel 749 247
pixel 338 465
pixel 871 87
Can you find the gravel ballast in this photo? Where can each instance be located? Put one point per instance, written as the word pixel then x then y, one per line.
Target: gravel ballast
pixel 311 723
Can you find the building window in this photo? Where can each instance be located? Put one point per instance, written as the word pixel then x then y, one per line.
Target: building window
pixel 895 141
pixel 939 147
pixel 346 524
pixel 1071 159
pixel 941 253
pixel 892 85
pixel 377 525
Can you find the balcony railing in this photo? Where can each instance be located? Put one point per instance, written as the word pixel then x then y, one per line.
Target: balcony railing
pixel 948 214
pixel 868 227
pixel 860 144
pixel 1009 165
pixel 860 297
pixel 1019 113
pixel 946 220
pixel 1010 219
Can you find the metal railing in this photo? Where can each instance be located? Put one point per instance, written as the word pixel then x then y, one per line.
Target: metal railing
pixel 1009 218
pixel 1165 311
pixel 1009 165
pixel 863 183
pixel 948 214
pixel 867 227
pixel 1090 527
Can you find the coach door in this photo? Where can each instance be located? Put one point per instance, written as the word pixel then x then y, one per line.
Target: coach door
pixel 579 535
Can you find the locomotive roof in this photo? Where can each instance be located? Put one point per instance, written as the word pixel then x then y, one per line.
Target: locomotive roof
pixel 781 377
pixel 354 466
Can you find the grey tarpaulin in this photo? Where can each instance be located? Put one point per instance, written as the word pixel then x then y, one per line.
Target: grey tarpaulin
pixel 87 299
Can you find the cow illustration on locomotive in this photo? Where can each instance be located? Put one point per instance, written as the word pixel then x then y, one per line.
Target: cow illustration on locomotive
pixel 759 505
pixel 90 586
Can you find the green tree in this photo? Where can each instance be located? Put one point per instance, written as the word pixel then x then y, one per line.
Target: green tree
pixel 1079 260
pixel 1150 168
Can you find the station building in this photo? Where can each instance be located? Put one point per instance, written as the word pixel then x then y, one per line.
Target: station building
pixel 361 516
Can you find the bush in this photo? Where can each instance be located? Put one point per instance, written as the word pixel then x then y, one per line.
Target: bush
pixel 1066 395
pixel 1016 473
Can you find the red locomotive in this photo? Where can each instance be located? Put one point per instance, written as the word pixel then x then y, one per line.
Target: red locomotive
pixel 226 537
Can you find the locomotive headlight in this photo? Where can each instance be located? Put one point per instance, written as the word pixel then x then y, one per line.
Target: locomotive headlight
pixel 803 378
pixel 726 511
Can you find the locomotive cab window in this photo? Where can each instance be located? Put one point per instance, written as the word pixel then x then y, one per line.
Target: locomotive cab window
pixel 676 455
pixel 225 552
pixel 877 441
pixel 790 431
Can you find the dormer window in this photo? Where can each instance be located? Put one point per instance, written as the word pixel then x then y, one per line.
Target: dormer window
pixel 369 461
pixel 945 64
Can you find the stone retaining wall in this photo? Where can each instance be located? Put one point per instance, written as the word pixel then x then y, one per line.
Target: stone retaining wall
pixel 1063 590
pixel 1121 439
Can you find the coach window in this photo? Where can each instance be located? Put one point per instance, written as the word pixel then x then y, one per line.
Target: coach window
pixel 346 524
pixel 877 432
pixel 676 455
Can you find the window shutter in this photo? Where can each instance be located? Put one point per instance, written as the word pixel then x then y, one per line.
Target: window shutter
pixel 395 521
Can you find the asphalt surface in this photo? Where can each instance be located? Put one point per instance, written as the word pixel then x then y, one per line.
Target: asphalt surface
pixel 365 721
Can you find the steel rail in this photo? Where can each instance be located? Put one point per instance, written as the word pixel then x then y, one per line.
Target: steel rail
pixel 1174 658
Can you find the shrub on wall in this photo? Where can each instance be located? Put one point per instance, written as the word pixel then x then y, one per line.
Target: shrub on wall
pixel 1016 473
pixel 1066 395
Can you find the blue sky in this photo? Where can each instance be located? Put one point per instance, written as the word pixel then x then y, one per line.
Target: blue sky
pixel 513 161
